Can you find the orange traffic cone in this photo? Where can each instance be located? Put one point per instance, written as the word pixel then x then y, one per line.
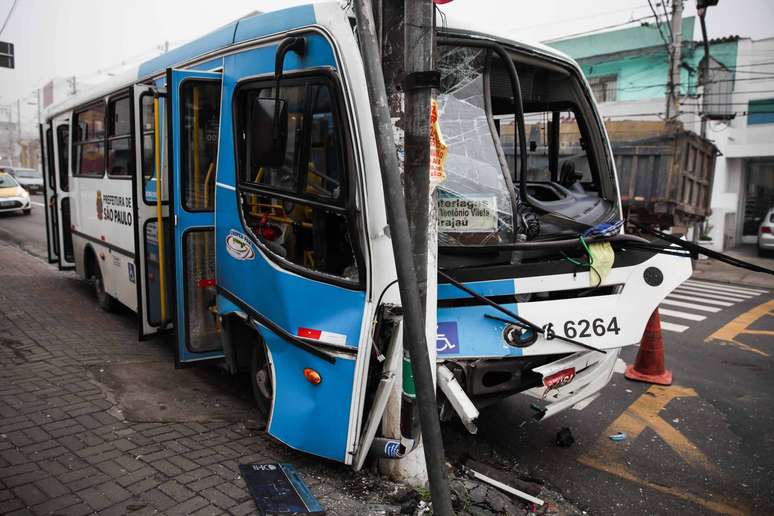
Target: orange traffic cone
pixel 649 365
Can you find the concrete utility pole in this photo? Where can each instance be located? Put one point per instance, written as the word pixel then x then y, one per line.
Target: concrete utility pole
pixel 418 60
pixel 675 55
pixel 416 76
pixel 413 320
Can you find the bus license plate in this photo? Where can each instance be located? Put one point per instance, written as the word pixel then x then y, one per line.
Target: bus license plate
pixel 582 328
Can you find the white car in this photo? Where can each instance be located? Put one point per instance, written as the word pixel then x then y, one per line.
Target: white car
pixel 29 178
pixel 12 196
pixel 766 234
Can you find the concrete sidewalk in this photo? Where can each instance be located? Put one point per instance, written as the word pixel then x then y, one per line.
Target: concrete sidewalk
pixel 714 270
pixel 77 436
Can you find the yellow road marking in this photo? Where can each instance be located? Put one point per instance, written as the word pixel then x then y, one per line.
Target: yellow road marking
pixel 727 335
pixel 610 457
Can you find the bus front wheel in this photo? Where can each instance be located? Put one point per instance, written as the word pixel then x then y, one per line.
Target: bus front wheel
pixel 262 382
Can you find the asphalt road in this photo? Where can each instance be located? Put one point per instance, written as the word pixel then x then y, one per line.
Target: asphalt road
pixel 705 445
pixel 26 231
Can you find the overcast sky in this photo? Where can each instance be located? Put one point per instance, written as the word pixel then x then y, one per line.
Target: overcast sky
pixel 90 38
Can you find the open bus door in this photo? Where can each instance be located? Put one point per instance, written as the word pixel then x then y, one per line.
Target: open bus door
pixel 193 100
pixel 150 201
pixel 49 193
pixel 58 203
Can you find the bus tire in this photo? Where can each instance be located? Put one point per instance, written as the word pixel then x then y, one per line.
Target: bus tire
pixel 262 382
pixel 104 300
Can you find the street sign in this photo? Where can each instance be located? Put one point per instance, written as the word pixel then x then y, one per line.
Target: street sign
pixel 6 55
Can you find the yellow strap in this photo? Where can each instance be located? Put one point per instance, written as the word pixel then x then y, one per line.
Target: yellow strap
pixel 159 224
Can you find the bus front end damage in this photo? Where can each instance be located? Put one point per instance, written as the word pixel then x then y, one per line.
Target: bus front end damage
pixel 539 286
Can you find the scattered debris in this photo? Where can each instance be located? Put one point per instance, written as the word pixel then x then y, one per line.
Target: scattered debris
pixel 564 438
pixel 472 497
pixel 408 500
pixel 503 487
pixel 378 509
pixel 620 436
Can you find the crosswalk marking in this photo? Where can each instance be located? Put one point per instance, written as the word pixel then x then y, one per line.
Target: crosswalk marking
pixel 720 286
pixel 710 294
pixel 678 328
pixel 694 306
pixel 681 315
pixel 694 298
pixel 708 290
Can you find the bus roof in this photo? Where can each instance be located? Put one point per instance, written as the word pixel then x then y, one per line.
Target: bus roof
pixel 253 26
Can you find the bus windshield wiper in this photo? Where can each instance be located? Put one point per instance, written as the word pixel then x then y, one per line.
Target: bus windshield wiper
pixel 519 321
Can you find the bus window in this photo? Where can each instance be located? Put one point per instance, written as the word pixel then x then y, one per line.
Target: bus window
pixel 50 159
pixel 119 142
pixel 89 141
pixel 297 210
pixel 148 146
pixel 200 120
pixel 62 134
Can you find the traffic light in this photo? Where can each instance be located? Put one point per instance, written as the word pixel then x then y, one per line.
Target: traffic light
pixel 703 4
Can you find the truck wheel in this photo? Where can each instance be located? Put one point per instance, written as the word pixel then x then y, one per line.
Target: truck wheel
pixel 262 383
pixel 105 300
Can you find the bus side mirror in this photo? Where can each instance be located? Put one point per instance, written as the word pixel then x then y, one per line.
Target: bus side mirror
pixel 268 132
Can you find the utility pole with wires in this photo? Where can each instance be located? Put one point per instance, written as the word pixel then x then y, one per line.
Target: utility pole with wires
pixel 399 221
pixel 675 56
pixel 701 10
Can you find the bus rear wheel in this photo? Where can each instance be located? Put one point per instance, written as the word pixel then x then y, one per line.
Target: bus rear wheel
pixel 262 383
pixel 104 300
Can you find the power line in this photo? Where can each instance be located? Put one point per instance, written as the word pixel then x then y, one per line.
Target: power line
pixel 568 20
pixel 750 64
pixel 658 25
pixel 646 86
pixel 593 31
pixel 713 94
pixel 754 72
pixel 8 17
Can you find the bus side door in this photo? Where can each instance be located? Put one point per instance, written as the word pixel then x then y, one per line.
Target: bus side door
pixel 49 192
pixel 193 100
pixel 150 198
pixel 61 190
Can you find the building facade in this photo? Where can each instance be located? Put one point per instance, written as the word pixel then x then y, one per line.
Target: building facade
pixel 732 104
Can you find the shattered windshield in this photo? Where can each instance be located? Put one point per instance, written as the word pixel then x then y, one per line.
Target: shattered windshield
pixel 474 203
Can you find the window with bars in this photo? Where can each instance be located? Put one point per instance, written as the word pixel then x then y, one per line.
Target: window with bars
pixel 605 88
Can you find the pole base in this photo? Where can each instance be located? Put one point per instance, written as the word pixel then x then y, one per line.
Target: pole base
pixel 664 378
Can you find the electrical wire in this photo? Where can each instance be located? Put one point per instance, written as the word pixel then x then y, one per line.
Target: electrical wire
pixel 593 31
pixel 520 321
pixel 8 16
pixel 658 26
pixel 568 20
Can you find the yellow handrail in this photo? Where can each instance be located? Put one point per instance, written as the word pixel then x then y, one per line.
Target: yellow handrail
pixel 207 185
pixel 159 224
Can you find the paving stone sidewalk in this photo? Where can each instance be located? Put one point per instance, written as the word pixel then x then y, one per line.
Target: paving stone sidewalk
pixel 66 448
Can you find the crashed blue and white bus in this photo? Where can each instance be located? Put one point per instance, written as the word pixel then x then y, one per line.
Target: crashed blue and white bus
pixel 229 192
